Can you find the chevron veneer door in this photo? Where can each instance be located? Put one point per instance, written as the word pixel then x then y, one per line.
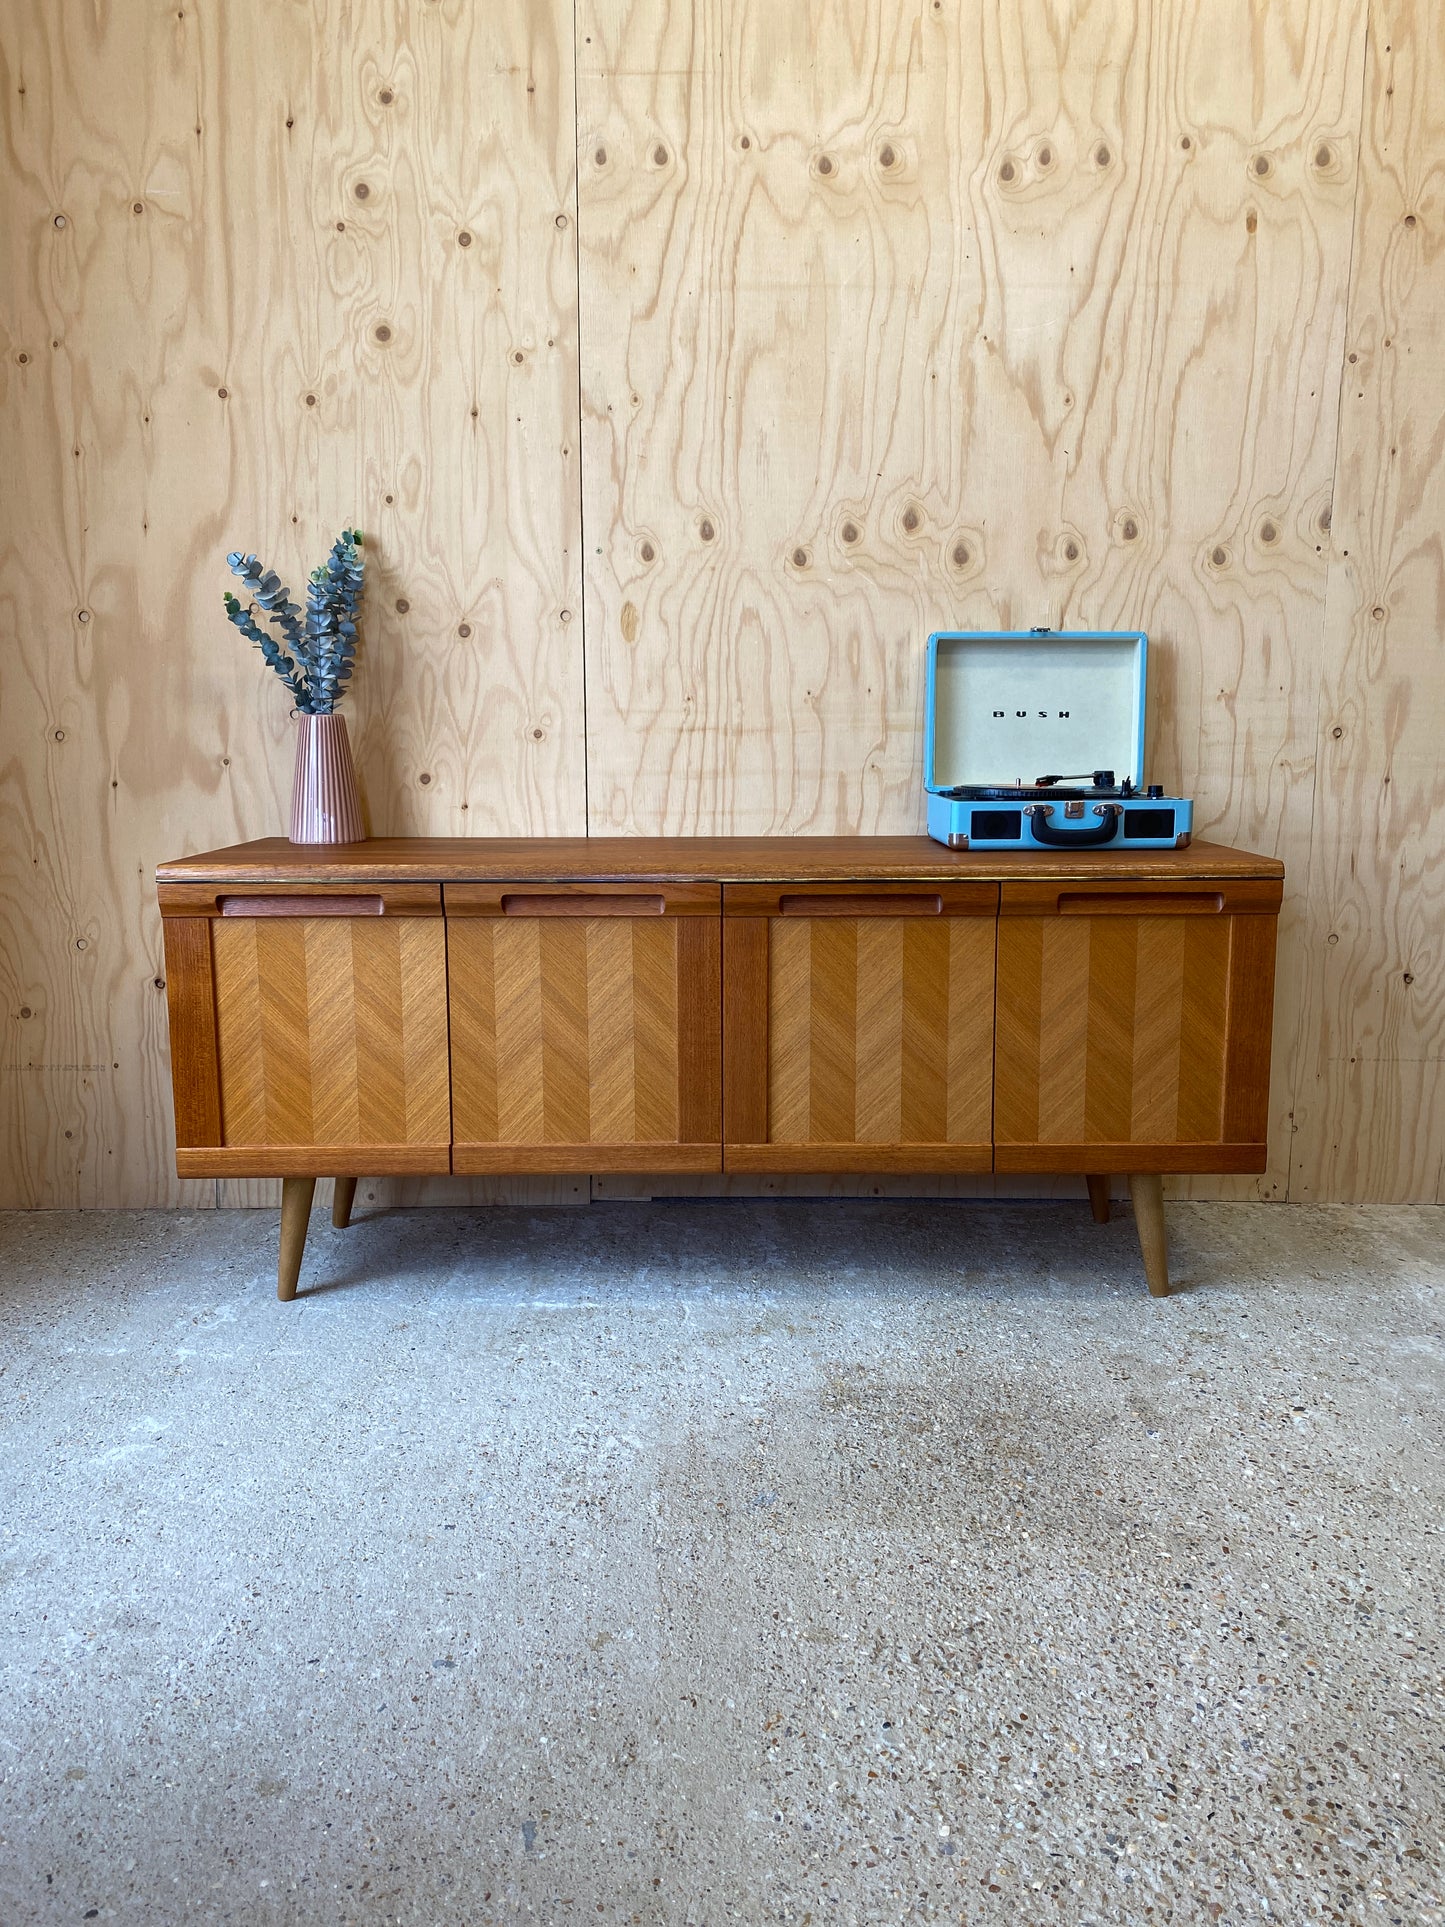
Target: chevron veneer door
pixel 585 1027
pixel 858 1026
pixel 313 1031
pixel 1134 1026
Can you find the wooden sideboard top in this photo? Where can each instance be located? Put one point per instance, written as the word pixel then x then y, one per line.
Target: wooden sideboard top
pixel 677 859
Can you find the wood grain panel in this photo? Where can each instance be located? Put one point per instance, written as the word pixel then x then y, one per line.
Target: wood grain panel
pixel 611 1058
pixel 242 1032
pixel 947 898
pixel 1180 1159
pixel 969 1048
pixel 1247 1046
pixel 406 1190
pixel 879 1059
pixel 562 974
pixel 1018 1031
pixel 468 865
pixel 745 1028
pixel 191 1002
pixel 265 271
pixel 472 1022
pixel 1111 1016
pixel 846 1039
pixel 927 980
pixel 1370 1093
pixel 1122 1031
pixel 331 1032
pixel 1153 1109
pixel 833 1037
pixel 947 1183
pixel 1206 1013
pixel 426 1091
pixel 1064 1039
pixel 902 317
pixel 517 967
pixel 699 1062
pixel 57 1125
pixel 1199 895
pixel 259 1162
pixel 657 1041
pixel 590 899
pixel 817 1158
pixel 787 1070
pixel 662 1155
pixel 1059 334
pixel 584 1037
pixel 315 898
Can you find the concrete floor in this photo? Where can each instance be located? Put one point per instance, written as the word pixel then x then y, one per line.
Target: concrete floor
pixel 708 1562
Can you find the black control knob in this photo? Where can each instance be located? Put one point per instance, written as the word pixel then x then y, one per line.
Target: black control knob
pixel 1155 789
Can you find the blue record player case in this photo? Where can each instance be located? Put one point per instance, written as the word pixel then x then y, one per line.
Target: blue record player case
pixel 1036 740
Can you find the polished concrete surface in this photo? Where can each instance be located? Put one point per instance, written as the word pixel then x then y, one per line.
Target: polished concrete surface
pixel 716 1562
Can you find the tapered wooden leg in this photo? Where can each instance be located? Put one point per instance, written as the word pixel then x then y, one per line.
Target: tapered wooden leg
pixel 1099 1198
pixel 296 1196
pixel 1147 1193
pixel 341 1204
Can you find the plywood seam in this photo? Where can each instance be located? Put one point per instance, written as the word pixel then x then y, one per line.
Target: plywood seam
pixel 1296 1066
pixel 581 438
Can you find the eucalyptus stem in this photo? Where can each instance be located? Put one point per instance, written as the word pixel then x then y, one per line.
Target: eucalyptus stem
pixel 313 653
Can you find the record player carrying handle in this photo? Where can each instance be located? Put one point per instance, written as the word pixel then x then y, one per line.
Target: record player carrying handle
pixel 1043 831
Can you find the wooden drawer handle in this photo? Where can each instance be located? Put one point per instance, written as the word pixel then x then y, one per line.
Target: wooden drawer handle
pixel 290 906
pixel 1162 903
pixel 521 905
pixel 861 906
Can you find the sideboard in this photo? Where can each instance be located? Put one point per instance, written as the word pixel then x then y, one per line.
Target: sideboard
pixel 782 1004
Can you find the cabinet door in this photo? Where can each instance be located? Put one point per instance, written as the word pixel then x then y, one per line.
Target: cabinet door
pixel 1134 1025
pixel 858 1026
pixel 585 1026
pixel 308 1029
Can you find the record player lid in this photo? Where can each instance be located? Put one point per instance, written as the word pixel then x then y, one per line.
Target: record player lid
pixel 1004 708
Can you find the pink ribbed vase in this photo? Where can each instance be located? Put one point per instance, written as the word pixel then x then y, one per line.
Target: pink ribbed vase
pixel 325 807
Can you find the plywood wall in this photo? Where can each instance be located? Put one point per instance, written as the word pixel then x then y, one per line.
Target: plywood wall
pixel 986 317
pixel 685 364
pixel 1369 1060
pixel 269 270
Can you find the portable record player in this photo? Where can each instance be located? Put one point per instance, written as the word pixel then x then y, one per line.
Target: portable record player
pixel 1037 740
